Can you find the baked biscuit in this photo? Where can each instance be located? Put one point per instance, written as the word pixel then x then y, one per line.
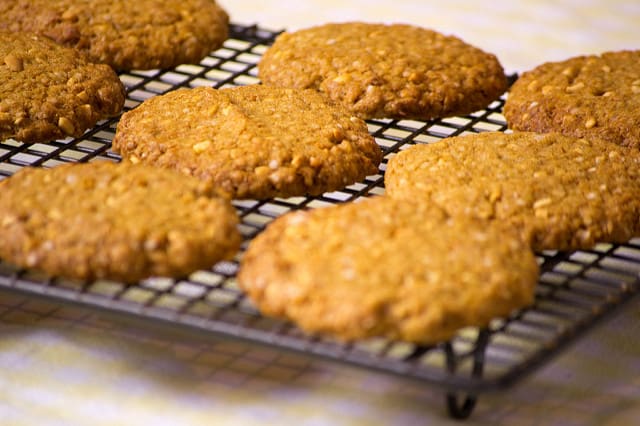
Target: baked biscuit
pixel 383 267
pixel 596 97
pixel 139 34
pixel 48 91
pixel 114 221
pixel 251 141
pixel 392 71
pixel 563 193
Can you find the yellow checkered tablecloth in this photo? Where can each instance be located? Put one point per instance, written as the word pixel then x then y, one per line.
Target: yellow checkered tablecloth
pixel 522 34
pixel 65 365
pixel 71 366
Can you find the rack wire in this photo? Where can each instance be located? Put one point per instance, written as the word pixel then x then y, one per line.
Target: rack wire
pixel 575 290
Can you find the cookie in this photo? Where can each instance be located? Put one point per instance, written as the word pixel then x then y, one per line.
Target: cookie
pixel 49 92
pixel 251 141
pixel 383 267
pixel 563 193
pixel 392 71
pixel 114 221
pixel 141 34
pixel 596 97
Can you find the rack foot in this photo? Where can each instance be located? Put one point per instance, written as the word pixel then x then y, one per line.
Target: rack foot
pixel 460 409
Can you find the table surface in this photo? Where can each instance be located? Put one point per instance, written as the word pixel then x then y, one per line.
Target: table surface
pixel 68 365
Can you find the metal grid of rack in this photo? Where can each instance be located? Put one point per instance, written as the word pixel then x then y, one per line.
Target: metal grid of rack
pixel 575 289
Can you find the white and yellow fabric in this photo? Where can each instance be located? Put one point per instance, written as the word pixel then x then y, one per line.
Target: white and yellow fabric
pixel 522 34
pixel 71 366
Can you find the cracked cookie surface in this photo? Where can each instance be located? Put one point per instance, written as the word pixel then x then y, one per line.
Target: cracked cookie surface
pixel 49 92
pixel 563 193
pixel 122 222
pixel 386 71
pixel 141 34
pixel 387 268
pixel 251 141
pixel 595 96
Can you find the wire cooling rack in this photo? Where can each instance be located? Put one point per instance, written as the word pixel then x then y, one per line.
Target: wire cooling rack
pixel 575 291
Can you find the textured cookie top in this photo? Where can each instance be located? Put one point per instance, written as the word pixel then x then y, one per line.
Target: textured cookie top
pixel 48 91
pixel 383 267
pixel 252 141
pixel 138 34
pixel 586 96
pixel 393 71
pixel 113 221
pixel 562 192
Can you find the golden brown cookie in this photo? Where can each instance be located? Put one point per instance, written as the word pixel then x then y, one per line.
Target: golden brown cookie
pixel 392 71
pixel 116 221
pixel 596 97
pixel 140 34
pixel 383 267
pixel 48 91
pixel 562 193
pixel 252 141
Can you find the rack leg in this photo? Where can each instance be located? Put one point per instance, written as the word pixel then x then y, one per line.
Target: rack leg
pixel 462 409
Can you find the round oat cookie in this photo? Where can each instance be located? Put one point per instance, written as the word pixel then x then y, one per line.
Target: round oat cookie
pixel 563 193
pixel 586 96
pixel 114 221
pixel 48 91
pixel 383 267
pixel 140 34
pixel 251 141
pixel 393 71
